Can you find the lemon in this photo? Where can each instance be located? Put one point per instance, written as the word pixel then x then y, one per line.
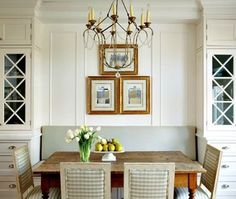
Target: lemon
pixel 111 147
pixel 98 147
pixel 105 147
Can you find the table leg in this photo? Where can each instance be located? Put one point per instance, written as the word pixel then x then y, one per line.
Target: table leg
pixel 45 186
pixel 192 185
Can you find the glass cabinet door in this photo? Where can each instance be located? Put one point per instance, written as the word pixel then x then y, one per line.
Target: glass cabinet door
pixel 221 88
pixel 15 97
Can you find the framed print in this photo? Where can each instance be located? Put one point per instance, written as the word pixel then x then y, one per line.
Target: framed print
pixel 135 95
pixel 121 56
pixel 102 95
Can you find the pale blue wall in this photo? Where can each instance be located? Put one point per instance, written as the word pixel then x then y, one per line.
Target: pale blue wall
pixel 133 139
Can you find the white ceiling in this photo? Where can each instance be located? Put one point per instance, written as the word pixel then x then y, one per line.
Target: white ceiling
pixel 75 11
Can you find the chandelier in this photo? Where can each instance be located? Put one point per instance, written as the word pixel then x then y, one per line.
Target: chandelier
pixel 110 31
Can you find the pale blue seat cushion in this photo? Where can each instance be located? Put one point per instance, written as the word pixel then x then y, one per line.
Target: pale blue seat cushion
pixel 182 193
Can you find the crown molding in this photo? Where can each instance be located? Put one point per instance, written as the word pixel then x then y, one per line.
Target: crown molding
pixel 162 11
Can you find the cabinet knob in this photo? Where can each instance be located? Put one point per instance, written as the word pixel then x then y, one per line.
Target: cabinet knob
pixel 11 147
pixel 225 166
pixel 12 186
pixel 11 166
pixel 0 38
pixel 225 186
pixel 225 147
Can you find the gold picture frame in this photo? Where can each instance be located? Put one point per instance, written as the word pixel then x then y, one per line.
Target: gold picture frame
pixel 135 95
pixel 106 50
pixel 103 95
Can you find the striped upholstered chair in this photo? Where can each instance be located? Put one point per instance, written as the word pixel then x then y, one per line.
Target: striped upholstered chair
pixel 149 180
pixel 212 161
pixel 85 180
pixel 24 177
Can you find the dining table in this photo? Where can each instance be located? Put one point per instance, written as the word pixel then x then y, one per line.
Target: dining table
pixel 186 170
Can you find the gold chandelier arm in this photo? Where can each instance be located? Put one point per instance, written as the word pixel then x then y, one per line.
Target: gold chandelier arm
pixel 126 36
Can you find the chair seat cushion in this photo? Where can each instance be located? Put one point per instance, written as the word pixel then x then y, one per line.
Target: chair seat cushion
pixel 36 193
pixel 182 193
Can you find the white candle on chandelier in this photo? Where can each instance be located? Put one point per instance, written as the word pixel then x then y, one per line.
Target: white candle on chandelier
pixel 142 19
pixel 131 10
pixel 92 14
pixel 148 16
pixel 114 9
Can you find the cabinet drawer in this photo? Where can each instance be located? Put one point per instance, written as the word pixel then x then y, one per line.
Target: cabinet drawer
pixel 228 168
pixel 226 188
pixel 7 147
pixel 227 148
pixel 7 166
pixel 8 186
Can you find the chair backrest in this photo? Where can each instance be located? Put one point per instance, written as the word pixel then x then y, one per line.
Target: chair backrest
pixel 85 180
pixel 212 162
pixel 149 180
pixel 24 174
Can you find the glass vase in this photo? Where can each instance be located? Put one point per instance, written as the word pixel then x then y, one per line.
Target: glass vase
pixel 85 148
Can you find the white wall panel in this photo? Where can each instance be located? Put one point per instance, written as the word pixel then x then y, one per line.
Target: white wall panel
pixel 63 71
pixel 177 75
pixel 170 62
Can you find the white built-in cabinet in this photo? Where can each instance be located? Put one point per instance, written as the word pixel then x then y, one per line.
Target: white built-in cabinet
pixel 216 121
pixel 15 31
pixel 15 89
pixel 16 128
pixel 221 32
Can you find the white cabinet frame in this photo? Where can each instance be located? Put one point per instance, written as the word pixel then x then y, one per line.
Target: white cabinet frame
pixel 210 55
pixel 27 123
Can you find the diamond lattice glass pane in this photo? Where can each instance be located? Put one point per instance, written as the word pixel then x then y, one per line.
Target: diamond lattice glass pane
pixel 7 112
pixel 15 81
pixel 222 73
pixel 217 69
pixel 21 113
pixel 7 65
pixel 230 113
pixel 230 65
pixel 223 58
pixel 15 57
pixel 14 120
pixel 224 93
pixel 223 106
pixel 7 88
pixel 21 65
pixel 223 121
pixel 15 72
pixel 14 105
pixel 215 113
pixel 215 65
pixel 222 117
pixel 14 96
pixel 230 90
pixel 21 89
